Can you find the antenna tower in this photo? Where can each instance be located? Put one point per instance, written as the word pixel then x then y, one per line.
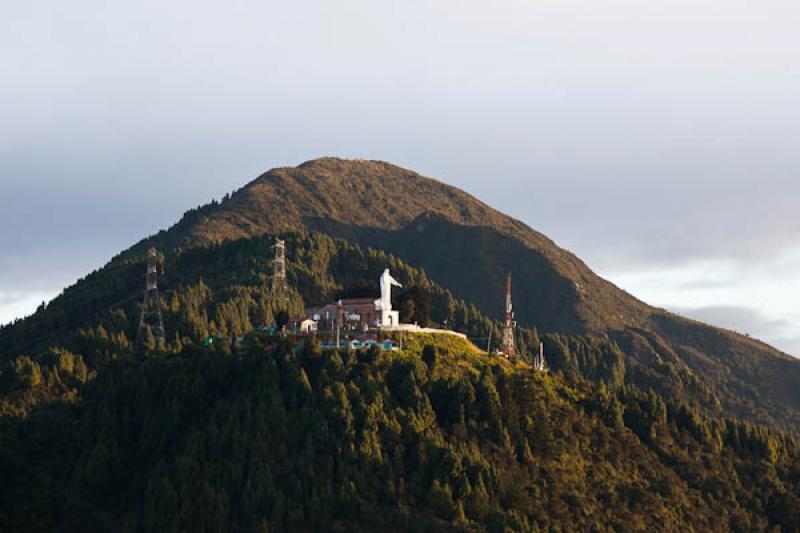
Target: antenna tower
pixel 151 308
pixel 279 266
pixel 507 347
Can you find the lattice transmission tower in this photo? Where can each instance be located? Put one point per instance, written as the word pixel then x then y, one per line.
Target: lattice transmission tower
pixel 151 308
pixel 279 267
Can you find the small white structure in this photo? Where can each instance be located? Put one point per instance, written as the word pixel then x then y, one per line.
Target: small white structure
pixel 388 318
pixel 308 326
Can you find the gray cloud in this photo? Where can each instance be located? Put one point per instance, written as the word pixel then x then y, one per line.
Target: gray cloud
pixel 781 332
pixel 789 344
pixel 9 298
pixel 740 319
pixel 706 283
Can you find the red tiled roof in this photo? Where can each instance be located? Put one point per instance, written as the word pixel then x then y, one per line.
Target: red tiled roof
pixel 358 301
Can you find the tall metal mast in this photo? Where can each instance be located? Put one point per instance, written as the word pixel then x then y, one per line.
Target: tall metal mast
pixel 508 347
pixel 151 308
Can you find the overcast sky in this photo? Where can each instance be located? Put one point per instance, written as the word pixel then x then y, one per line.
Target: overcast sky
pixel 660 141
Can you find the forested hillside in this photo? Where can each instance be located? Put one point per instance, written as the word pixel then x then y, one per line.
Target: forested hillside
pixel 438 439
pixel 467 247
pixel 224 290
pixel 103 434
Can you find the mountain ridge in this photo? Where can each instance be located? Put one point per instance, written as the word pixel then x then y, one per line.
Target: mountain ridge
pixel 389 197
pixel 467 246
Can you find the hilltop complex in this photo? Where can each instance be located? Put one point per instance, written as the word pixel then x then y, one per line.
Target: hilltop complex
pixel 362 316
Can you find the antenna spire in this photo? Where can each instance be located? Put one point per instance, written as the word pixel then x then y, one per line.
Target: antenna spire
pixel 508 347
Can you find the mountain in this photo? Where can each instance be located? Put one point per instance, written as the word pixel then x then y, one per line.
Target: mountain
pixel 467 247
pixel 382 205
pixel 639 426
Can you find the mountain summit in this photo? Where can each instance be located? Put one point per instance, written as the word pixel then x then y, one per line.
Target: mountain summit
pixel 468 247
pixel 385 206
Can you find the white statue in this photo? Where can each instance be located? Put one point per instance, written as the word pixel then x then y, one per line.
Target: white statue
pixel 384 305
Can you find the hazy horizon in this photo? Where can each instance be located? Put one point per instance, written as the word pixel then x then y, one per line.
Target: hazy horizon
pixel 659 143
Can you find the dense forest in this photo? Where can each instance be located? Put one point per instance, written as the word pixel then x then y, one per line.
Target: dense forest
pixel 99 432
pixel 291 438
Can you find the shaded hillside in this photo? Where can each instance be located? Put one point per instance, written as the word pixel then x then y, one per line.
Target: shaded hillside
pixel 467 247
pixel 361 200
pixel 472 261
